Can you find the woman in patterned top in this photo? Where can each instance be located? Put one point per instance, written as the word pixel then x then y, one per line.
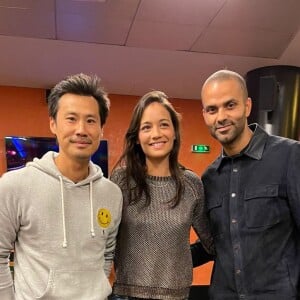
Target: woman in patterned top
pixel 162 201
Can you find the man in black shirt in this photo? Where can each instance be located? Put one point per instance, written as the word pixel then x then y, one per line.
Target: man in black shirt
pixel 253 199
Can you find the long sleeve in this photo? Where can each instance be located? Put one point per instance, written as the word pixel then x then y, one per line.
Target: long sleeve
pixel 6 281
pixel 293 184
pixel 7 238
pixel 7 293
pixel 111 244
pixel 200 220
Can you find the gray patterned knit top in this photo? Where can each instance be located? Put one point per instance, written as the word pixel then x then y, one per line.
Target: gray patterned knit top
pixel 153 257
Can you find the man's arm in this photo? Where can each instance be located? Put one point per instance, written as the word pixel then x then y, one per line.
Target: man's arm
pixel 112 239
pixel 9 226
pixel 293 176
pixel 6 281
pixel 293 189
pixel 6 287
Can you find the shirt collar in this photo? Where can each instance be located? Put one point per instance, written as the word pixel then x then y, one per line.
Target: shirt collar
pixel 255 147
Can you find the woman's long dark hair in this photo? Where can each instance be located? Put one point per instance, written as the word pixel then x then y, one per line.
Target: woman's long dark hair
pixel 133 158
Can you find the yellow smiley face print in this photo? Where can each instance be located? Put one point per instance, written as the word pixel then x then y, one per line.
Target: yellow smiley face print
pixel 104 217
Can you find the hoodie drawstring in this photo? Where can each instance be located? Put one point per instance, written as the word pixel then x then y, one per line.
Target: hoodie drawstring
pixel 92 231
pixel 92 214
pixel 63 211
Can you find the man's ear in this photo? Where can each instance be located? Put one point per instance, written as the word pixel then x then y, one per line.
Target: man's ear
pixel 248 106
pixel 52 125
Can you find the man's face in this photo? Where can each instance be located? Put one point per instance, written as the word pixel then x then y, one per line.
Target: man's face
pixel 77 127
pixel 225 111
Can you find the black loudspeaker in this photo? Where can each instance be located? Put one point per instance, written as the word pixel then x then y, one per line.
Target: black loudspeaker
pixel 268 92
pixel 275 99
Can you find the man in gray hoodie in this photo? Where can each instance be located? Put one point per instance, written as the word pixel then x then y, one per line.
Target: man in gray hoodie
pixel 59 213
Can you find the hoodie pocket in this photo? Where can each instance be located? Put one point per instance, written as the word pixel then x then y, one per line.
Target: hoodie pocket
pixel 77 285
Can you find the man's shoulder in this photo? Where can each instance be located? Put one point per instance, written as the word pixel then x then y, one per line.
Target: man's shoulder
pixel 16 174
pixel 214 165
pixel 281 142
pixel 17 181
pixel 211 170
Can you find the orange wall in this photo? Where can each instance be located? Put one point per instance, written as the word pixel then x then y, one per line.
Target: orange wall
pixel 24 112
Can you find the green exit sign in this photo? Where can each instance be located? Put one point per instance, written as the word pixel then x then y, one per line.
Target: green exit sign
pixel 200 148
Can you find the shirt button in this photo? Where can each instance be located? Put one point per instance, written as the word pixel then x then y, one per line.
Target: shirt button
pixel 236 247
pixel 233 221
pixel 235 170
pixel 233 195
pixel 238 272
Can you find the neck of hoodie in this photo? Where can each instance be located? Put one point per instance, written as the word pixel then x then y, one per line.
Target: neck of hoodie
pixel 73 170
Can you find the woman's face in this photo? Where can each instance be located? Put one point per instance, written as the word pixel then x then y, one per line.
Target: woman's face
pixel 156 133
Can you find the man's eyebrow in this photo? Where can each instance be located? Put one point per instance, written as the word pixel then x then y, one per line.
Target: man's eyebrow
pixel 210 106
pixel 229 100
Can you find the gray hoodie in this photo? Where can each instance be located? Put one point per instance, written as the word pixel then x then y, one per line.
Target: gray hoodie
pixel 64 233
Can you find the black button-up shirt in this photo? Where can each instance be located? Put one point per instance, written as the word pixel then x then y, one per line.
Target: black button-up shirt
pixel 253 202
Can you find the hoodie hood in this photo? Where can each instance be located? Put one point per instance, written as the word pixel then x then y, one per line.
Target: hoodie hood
pixel 47 165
